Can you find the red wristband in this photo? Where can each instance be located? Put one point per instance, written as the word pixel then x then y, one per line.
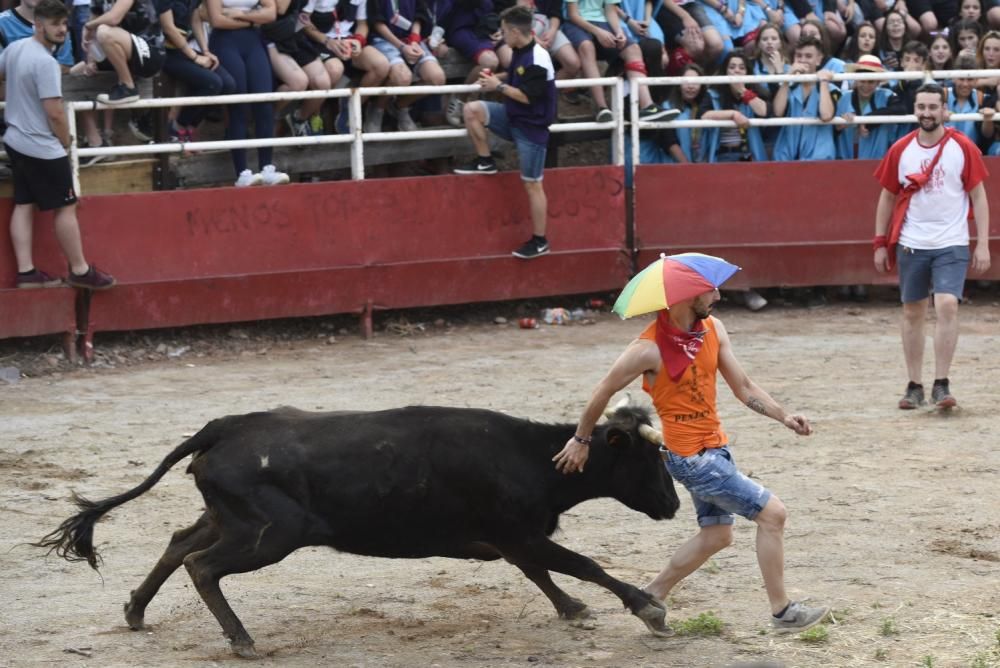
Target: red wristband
pixel 360 38
pixel 414 38
pixel 748 96
pixel 880 241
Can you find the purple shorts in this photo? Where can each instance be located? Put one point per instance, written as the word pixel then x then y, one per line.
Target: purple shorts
pixel 470 46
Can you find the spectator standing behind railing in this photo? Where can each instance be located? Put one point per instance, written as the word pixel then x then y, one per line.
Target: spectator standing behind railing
pixel 125 36
pixel 529 96
pixel 864 142
pixel 199 71
pixel 594 29
pixel 807 100
pixel 963 98
pixel 691 100
pixel 295 60
pixel 237 42
pixel 829 62
pixel 340 28
pixel 940 171
pixel 739 103
pixel 36 140
pixel 398 27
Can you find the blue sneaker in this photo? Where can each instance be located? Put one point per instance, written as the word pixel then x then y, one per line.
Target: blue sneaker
pixel 343 120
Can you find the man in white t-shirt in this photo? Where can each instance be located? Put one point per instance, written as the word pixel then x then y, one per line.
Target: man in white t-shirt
pixel 930 237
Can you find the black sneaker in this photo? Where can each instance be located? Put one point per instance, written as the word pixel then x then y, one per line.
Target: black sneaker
pixel 93 279
pixel 141 125
pixel 941 395
pixel 91 160
pixel 604 115
pixel 297 127
pixel 480 165
pixel 913 397
pixel 655 113
pixel 532 248
pixel 37 279
pixel 119 94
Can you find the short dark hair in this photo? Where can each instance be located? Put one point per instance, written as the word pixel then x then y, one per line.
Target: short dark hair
pixel 931 87
pixel 809 40
pixel 916 48
pixel 519 17
pixel 51 9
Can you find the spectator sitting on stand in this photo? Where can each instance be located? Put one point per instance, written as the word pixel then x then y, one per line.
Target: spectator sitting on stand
pixel 340 28
pixel 125 36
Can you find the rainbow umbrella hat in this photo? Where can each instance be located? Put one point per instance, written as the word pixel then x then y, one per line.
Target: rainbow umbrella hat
pixel 672 279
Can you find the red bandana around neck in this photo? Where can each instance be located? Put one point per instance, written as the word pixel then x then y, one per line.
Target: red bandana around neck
pixel 677 347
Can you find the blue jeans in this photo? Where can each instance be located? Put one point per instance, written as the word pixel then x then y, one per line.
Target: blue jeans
pixel 78 17
pixel 242 54
pixel 200 81
pixel 530 154
pixel 717 487
pixel 943 269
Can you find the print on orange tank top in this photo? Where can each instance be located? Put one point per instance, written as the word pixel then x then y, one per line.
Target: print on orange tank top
pixel 687 407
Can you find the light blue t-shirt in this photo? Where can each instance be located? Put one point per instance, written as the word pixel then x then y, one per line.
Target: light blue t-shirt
pixel 592 11
pixel 14 27
pixel 32 75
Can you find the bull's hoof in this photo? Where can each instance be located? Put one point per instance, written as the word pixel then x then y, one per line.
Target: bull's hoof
pixel 133 616
pixel 655 619
pixel 574 608
pixel 245 650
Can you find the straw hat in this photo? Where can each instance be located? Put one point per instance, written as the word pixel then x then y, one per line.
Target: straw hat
pixel 867 63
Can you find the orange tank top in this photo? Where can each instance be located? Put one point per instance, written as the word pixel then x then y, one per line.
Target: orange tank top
pixel 687 408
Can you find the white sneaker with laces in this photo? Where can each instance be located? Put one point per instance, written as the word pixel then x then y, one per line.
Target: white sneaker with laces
pixel 454 112
pixel 270 176
pixel 247 179
pixel 404 121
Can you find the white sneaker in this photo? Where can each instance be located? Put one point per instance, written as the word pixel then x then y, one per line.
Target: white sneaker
pixel 247 179
pixel 404 121
pixel 754 300
pixel 374 121
pixel 454 112
pixel 270 176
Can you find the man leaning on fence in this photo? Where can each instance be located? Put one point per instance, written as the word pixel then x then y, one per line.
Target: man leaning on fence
pixel 36 140
pixel 529 107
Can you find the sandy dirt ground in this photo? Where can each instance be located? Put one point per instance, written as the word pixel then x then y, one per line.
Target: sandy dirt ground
pixel 894 516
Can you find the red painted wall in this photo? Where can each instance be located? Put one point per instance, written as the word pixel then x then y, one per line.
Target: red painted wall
pixel 225 255
pixel 795 224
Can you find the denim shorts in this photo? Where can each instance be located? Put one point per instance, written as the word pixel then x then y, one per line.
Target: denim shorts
pixel 395 56
pixel 578 36
pixel 530 154
pixel 717 487
pixel 942 269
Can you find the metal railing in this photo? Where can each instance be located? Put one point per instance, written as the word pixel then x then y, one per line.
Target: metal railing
pixel 356 138
pixel 936 75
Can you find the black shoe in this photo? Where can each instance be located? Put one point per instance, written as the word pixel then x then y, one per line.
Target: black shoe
pixel 604 115
pixel 655 113
pixel 119 94
pixel 913 397
pixel 93 279
pixel 480 165
pixel 941 396
pixel 141 125
pixel 532 248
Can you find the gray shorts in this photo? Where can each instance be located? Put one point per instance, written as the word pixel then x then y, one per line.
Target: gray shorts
pixel 939 269
pixel 540 24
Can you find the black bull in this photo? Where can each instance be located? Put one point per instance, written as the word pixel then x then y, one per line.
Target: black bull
pixel 406 483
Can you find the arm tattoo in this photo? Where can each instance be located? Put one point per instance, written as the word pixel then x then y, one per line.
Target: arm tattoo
pixel 756 404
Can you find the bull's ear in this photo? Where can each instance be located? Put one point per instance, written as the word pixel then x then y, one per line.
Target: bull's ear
pixel 618 438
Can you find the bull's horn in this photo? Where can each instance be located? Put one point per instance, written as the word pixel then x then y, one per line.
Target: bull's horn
pixel 650 434
pixel 622 403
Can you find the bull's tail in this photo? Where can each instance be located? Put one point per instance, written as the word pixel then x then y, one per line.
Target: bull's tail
pixel 74 539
